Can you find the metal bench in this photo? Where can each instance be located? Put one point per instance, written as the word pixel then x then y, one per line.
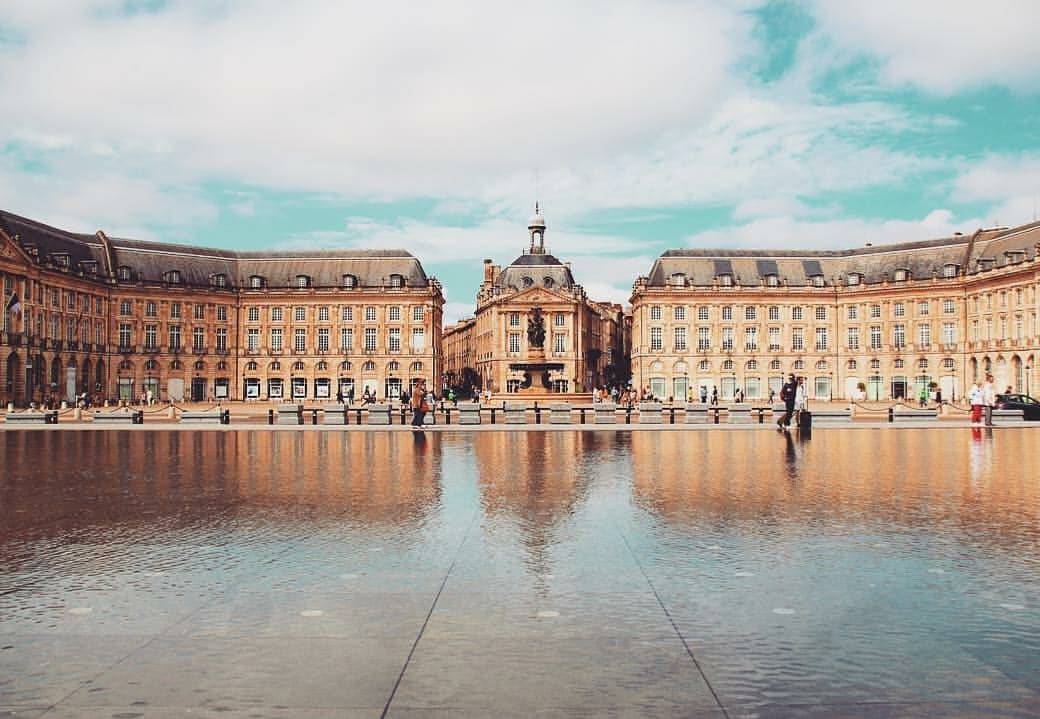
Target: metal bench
pixel 334 414
pixel 907 414
pixel 560 413
pixel 125 416
pixel 650 413
pixel 697 413
pixel 215 416
pixel 379 414
pixel 289 414
pixel 30 417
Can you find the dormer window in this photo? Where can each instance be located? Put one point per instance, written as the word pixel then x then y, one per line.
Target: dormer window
pixel 901 275
pixel 256 282
pixel 219 280
pixel 548 282
pixel 396 281
pixel 816 281
pixel 527 282
pixel 172 277
pixel 726 280
pixel 986 264
pixel 61 259
pixel 124 274
pixel 854 279
pixel 350 281
pixel 950 270
pixel 772 280
pixel 303 281
pixel 1014 256
pixel 89 267
pixel 678 280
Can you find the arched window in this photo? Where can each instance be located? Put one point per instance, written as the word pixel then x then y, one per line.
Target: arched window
pixel 799 364
pixel 393 366
pixel 817 281
pixel 350 281
pixel 821 365
pixel 200 365
pixel 222 365
pixel 948 363
pixel 678 280
pixel 321 366
pixel 774 365
pixel 303 281
pixel 396 280
pixel 898 364
pixel 344 366
pixel 526 281
pixel 176 364
pixel 752 365
pixel 875 364
pixel 126 364
pixel 726 280
pixel 852 365
pixel 251 366
pixel 704 366
pixel 219 281
pixel 951 270
pixel 298 366
pixel 256 282
pixel 151 365
pixel 854 279
pixel 727 366
pixel 274 366
pixel 772 280
pixel 922 363
pixel 548 282
pixel 417 366
pixel 369 366
pixel 172 277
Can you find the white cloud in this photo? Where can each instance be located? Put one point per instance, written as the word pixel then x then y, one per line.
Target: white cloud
pixel 942 46
pixel 792 233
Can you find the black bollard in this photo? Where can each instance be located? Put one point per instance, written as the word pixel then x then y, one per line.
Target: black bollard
pixel 891 415
pixel 270 416
pixel 582 411
pixel 671 414
pixel 314 417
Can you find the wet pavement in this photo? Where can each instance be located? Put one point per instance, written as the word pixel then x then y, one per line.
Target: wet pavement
pixel 253 573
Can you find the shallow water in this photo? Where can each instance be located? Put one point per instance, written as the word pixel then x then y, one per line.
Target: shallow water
pixel 255 573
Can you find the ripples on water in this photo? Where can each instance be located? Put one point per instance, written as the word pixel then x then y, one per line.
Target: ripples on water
pixel 858 566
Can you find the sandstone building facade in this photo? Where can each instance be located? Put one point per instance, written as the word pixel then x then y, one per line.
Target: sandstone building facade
pixel 881 322
pixel 493 350
pixel 118 318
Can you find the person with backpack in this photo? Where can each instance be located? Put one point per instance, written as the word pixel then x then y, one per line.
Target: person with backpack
pixel 788 394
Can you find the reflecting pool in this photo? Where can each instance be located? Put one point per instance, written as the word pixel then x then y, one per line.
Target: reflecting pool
pixel 889 572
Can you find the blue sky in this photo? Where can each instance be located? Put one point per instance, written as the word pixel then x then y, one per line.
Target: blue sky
pixel 640 126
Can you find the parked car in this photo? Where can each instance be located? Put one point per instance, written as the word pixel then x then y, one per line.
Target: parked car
pixel 1029 406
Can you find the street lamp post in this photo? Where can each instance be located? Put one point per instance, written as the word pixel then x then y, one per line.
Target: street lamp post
pixel 1029 369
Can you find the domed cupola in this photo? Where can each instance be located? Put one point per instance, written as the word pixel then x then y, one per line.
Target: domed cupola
pixel 536 228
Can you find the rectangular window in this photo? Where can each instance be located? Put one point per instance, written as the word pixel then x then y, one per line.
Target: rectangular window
pixel 199 311
pixel 198 338
pixel 394 313
pixel 559 343
pixel 124 335
pixel 175 310
pixel 750 314
pixel 751 339
pixel 370 314
pixel 853 338
pixel 323 314
pixel 774 339
pixel 656 338
pixel 899 335
pixel 253 314
pixel 221 339
pixel 655 312
pixel 821 339
pixel 560 319
pixel 346 314
pixel 727 339
pixel 680 313
pixel 853 312
pixel 514 320
pixel 703 338
pixel 774 314
pixel 899 309
pixel 875 311
pixel 949 307
pixel 299 314
pixel 99 334
pixel 949 333
pixel 514 342
pixel 221 313
pixel 797 339
pixel 796 313
pixel 924 335
pixel 680 339
pixel 151 309
pixel 821 313
pixel 323 339
pixel 702 313
pixel 418 313
pixel 151 337
pixel 277 314
pixel 395 339
pixel 418 339
pixel 922 308
pixel 974 330
pixel 175 337
pixel 124 308
pixel 370 338
pixel 276 339
pixel 253 339
pixel 299 340
pixel 727 313
pixel 346 338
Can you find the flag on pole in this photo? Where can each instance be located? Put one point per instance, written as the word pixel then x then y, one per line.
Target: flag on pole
pixel 14 305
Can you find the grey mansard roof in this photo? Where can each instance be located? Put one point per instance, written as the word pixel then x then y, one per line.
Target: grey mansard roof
pixel 536 268
pixel 923 259
pixel 149 261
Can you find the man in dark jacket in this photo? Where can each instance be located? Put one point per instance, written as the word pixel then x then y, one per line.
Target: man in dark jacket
pixel 787 395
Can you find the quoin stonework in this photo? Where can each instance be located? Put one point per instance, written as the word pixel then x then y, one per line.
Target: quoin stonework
pixel 120 318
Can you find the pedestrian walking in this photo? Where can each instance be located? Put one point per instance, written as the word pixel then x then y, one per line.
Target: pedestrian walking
pixel 800 400
pixel 977 399
pixel 419 405
pixel 714 394
pixel 989 399
pixel 788 393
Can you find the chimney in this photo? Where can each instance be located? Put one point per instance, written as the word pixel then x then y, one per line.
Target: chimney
pixel 490 271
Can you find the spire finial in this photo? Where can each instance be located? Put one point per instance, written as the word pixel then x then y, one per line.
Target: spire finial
pixel 536 210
